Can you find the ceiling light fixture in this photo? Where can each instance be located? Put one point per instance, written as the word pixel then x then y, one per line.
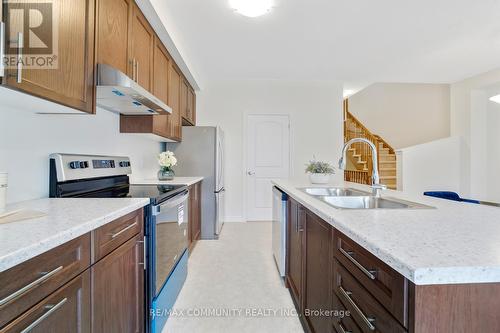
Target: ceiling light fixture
pixel 251 8
pixel 495 99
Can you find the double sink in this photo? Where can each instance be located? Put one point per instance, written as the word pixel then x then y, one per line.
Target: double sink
pixel 348 198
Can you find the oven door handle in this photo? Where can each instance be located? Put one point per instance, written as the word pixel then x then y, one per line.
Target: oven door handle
pixel 171 203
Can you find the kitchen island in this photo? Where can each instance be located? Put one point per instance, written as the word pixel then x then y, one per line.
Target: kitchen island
pixel 396 270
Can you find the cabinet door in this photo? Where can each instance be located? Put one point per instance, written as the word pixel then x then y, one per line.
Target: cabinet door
pixel 118 289
pixel 194 214
pixel 162 123
pixel 142 39
pixel 191 106
pixel 174 100
pixel 184 99
pixel 295 249
pixel 113 22
pixel 65 311
pixel 70 78
pixel 318 276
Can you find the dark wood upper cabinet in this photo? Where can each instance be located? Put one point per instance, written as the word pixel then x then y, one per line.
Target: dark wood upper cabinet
pixel 142 38
pixel 184 99
pixel 113 28
pixel 118 289
pixel 187 101
pixel 191 106
pixel 174 95
pixel 70 81
pixel 295 265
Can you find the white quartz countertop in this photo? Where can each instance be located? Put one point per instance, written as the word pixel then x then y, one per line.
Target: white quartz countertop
pixel 188 181
pixel 451 244
pixel 66 219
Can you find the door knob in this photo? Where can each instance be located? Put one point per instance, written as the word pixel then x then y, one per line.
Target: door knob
pixel 250 173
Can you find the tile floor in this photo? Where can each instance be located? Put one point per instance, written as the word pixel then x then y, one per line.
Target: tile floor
pixel 236 273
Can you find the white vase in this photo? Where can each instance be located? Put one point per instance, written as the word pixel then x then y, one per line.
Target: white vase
pixel 319 178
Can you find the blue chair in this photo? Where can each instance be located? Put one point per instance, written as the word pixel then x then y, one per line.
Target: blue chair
pixel 449 196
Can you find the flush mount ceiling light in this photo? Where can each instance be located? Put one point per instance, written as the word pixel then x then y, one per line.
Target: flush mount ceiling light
pixel 495 99
pixel 251 8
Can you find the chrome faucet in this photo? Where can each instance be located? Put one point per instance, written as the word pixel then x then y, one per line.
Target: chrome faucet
pixel 376 186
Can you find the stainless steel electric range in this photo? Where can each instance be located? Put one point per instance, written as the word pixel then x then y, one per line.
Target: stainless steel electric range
pixel 166 242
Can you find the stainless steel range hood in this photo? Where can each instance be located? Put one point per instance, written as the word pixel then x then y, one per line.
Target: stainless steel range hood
pixel 118 93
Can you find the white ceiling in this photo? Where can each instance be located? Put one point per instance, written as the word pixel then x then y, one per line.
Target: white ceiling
pixel 352 41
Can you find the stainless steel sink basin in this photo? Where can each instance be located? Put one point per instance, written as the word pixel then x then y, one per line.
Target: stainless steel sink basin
pixel 333 191
pixel 370 202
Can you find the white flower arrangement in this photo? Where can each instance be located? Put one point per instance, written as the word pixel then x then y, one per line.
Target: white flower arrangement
pixel 167 160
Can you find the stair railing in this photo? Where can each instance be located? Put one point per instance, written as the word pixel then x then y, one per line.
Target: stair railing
pixel 353 128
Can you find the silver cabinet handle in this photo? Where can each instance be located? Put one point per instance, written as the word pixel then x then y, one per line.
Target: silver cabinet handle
pixel 30 286
pixel 368 321
pixel 348 255
pixel 123 230
pixel 51 308
pixel 342 329
pixel 2 49
pixel 143 263
pixel 20 43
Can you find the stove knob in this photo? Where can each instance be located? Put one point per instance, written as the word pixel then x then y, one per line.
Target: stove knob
pixel 74 165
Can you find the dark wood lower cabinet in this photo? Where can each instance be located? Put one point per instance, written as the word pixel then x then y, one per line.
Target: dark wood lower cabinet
pixel 60 291
pixel 194 224
pixel 118 290
pixel 317 302
pixel 295 244
pixel 67 310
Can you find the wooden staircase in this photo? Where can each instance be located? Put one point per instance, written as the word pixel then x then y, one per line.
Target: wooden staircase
pixel 359 166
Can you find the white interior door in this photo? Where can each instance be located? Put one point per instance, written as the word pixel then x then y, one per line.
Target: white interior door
pixel 268 157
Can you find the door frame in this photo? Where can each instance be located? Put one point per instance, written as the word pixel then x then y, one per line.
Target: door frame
pixel 244 150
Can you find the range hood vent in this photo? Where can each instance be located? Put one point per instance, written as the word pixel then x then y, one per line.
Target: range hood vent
pixel 118 93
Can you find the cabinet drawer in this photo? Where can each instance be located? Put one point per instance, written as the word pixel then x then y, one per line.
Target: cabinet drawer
pixel 112 235
pixel 367 312
pixel 385 284
pixel 65 311
pixel 28 283
pixel 343 324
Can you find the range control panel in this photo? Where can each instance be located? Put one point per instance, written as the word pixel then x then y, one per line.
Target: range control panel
pixel 73 167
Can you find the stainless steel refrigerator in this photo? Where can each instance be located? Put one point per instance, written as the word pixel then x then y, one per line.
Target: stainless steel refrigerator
pixel 201 153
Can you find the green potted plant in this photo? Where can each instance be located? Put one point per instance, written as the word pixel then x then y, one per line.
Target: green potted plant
pixel 319 172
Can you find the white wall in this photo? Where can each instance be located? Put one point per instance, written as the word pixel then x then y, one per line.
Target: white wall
pixel 468 107
pixel 433 166
pixel 27 139
pixel 404 114
pixel 493 153
pixel 315 111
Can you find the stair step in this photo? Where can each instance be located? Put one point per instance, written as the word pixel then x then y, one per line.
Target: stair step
pixel 387 158
pixel 387 177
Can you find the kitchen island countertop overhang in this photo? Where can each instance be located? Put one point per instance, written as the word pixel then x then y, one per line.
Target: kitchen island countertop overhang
pixel 454 243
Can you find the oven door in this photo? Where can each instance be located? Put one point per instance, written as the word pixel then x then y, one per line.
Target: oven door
pixel 170 237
